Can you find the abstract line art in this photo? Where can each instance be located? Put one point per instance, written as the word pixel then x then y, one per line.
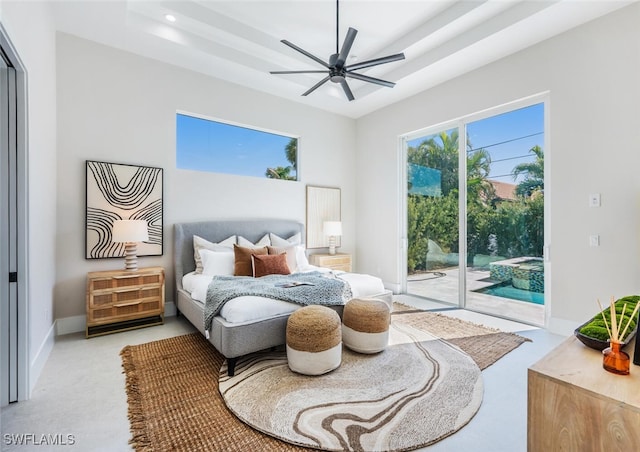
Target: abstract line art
pixel 122 192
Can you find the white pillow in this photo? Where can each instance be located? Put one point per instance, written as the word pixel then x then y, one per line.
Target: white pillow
pixel 264 241
pixel 301 258
pixel 295 239
pixel 217 263
pixel 199 244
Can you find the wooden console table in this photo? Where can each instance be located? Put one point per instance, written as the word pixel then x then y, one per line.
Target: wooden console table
pixel 574 404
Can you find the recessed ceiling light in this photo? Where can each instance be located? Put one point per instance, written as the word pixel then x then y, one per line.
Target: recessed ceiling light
pixel 170 17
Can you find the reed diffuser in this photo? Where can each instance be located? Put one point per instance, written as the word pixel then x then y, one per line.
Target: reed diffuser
pixel 614 359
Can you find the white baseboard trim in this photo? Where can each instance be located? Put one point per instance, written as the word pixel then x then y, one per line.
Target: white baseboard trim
pixel 78 323
pixel 41 358
pixel 395 288
pixel 560 326
pixel 68 325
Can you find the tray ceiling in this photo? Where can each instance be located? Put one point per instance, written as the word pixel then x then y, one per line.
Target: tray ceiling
pixel 239 41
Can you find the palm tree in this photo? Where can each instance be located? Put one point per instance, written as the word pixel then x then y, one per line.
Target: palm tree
pixel 280 172
pixel 533 174
pixel 284 172
pixel 291 152
pixel 478 168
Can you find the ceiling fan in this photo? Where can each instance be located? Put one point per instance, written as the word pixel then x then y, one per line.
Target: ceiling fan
pixel 337 71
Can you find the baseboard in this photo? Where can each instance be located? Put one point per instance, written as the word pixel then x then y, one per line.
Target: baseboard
pixel 562 327
pixel 41 358
pixel 395 288
pixel 68 325
pixel 78 323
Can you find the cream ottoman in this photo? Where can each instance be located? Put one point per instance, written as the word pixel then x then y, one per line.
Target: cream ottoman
pixel 365 325
pixel 314 340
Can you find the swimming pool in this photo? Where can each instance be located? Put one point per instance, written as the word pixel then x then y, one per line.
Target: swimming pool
pixel 506 290
pixel 526 273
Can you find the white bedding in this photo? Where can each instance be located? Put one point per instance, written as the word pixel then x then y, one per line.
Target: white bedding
pixel 250 308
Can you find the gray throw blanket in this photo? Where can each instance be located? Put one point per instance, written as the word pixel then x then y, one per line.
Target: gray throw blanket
pixel 319 288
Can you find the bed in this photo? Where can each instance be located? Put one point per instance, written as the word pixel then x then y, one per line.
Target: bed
pixel 231 334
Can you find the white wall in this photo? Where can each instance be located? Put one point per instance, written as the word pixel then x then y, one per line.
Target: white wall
pixel 591 74
pixel 118 107
pixel 30 29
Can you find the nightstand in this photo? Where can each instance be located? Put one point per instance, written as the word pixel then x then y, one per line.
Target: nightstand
pixel 338 261
pixel 120 300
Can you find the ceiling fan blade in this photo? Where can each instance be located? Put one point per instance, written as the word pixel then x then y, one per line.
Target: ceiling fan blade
pixel 375 62
pixel 366 78
pixel 322 71
pixel 316 86
pixel 347 90
pixel 304 52
pixel 346 47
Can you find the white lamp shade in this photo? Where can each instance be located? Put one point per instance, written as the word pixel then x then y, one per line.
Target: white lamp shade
pixel 130 231
pixel 332 228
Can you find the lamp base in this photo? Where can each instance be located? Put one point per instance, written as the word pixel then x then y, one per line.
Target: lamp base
pixel 332 245
pixel 130 256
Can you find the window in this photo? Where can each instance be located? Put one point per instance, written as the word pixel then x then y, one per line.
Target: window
pixel 218 147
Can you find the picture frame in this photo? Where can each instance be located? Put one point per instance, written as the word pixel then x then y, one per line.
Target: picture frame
pixel 117 191
pixel 323 204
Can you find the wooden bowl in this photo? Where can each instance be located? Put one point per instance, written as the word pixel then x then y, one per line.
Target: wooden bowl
pixel 599 344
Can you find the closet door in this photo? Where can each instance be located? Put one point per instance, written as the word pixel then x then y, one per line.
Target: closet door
pixel 8 236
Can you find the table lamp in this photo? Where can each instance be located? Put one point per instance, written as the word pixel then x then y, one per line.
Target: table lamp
pixel 130 232
pixel 333 229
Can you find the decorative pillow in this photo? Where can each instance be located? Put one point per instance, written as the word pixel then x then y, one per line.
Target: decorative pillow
pixel 290 252
pixel 295 239
pixel 199 243
pixel 264 241
pixel 216 263
pixel 242 255
pixel 275 264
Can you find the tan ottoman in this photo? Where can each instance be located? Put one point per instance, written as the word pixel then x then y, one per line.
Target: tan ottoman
pixel 314 340
pixel 365 325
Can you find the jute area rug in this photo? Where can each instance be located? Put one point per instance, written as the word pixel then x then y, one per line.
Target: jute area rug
pixel 175 403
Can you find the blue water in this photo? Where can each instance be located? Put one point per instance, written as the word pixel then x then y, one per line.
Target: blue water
pixel 506 290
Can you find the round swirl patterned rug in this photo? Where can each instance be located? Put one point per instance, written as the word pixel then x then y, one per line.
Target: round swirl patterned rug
pixel 419 390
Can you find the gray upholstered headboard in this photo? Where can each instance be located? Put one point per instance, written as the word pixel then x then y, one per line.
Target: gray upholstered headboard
pixel 218 230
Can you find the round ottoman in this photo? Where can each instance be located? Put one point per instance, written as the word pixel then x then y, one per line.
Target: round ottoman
pixel 365 325
pixel 314 340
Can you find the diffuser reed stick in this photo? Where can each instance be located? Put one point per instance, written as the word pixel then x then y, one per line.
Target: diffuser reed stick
pixel 616 327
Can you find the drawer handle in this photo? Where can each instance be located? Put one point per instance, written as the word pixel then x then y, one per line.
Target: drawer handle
pixel 126 290
pixel 126 276
pixel 124 305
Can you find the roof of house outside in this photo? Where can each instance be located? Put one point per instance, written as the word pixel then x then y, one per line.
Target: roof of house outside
pixel 504 190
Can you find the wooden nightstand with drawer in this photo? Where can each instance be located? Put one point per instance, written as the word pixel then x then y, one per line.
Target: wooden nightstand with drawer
pixel 122 300
pixel 338 261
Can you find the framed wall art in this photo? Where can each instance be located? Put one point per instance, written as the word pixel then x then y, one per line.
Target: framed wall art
pixel 323 204
pixel 122 192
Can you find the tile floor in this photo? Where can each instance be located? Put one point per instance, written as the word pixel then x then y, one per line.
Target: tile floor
pixel 81 391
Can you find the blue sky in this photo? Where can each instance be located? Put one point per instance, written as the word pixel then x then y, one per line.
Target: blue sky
pixel 206 145
pixel 508 138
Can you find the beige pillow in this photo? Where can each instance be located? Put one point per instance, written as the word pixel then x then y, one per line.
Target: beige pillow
pixel 290 251
pixel 295 239
pixel 201 244
pixel 275 264
pixel 264 241
pixel 243 265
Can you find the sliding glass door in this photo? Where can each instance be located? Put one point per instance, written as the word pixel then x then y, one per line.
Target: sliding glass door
pixel 476 203
pixel 432 215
